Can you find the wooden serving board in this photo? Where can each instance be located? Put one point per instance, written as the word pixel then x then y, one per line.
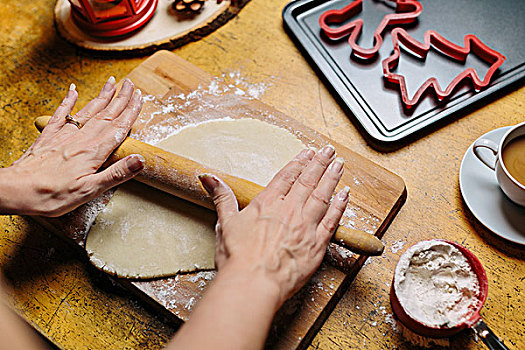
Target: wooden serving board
pixel 167 29
pixel 178 94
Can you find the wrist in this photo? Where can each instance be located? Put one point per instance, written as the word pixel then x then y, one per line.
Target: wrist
pixel 253 282
pixel 13 193
pixel 246 303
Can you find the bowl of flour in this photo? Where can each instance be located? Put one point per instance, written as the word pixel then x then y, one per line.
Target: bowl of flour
pixel 438 289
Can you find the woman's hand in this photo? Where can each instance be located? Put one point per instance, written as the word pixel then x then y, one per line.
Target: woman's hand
pixel 282 235
pixel 265 252
pixel 60 171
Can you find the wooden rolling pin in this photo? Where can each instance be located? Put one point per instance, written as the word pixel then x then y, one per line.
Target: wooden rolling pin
pixel 177 175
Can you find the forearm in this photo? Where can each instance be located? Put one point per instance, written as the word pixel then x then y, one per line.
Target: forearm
pixel 235 313
pixel 14 332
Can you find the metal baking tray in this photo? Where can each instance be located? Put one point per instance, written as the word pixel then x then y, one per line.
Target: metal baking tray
pixel 375 106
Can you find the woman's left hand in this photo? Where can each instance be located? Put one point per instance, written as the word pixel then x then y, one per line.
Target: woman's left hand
pixel 60 171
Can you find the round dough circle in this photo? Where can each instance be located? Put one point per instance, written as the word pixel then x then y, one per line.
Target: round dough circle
pixel 144 233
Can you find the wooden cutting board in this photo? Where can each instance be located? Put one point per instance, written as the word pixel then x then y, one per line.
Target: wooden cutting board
pixel 178 94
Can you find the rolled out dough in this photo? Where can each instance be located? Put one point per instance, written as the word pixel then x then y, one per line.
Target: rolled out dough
pixel 144 233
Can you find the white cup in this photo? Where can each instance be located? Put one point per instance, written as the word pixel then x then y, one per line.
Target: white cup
pixel 510 186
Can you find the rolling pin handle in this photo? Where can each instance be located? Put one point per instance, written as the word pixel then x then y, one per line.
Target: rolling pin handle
pixel 41 122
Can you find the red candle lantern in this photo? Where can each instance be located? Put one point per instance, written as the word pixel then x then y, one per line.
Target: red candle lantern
pixel 110 18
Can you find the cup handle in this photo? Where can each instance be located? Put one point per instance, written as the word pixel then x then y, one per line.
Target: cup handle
pixel 489 161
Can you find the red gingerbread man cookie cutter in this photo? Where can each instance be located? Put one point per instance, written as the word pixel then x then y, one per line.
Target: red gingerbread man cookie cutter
pixel 407 11
pixel 471 43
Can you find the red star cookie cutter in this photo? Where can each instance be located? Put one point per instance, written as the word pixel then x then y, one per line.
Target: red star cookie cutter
pixel 407 11
pixel 471 43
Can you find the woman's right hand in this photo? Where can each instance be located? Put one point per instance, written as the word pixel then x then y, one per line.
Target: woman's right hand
pixel 282 235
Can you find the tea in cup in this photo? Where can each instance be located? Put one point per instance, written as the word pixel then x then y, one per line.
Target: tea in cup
pixel 514 158
pixel 508 160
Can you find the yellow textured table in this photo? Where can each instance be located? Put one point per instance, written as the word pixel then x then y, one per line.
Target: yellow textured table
pixel 63 297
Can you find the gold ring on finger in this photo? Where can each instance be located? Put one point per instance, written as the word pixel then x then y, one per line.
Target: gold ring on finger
pixel 71 120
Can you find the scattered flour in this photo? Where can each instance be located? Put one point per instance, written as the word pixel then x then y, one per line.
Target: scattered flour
pixel 120 136
pixel 203 275
pixel 88 213
pixel 397 246
pixel 148 98
pixel 389 319
pixel 174 296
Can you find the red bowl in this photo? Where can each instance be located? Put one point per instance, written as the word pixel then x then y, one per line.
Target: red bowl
pixel 443 332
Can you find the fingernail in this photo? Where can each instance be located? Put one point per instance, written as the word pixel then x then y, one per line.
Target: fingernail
pixel 310 153
pixel 337 164
pixel 127 86
pixel 208 181
pixel 109 84
pixel 306 153
pixel 328 150
pixel 343 194
pixel 135 162
pixel 72 87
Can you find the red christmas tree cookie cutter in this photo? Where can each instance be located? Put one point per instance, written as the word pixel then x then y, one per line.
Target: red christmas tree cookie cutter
pixel 407 11
pixel 432 38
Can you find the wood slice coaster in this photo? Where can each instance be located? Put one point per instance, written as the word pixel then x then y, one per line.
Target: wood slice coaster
pixel 165 30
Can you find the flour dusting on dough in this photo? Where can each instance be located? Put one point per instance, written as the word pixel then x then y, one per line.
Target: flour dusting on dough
pixel 203 101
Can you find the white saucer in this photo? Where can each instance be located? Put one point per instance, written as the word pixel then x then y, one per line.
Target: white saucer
pixel 485 199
